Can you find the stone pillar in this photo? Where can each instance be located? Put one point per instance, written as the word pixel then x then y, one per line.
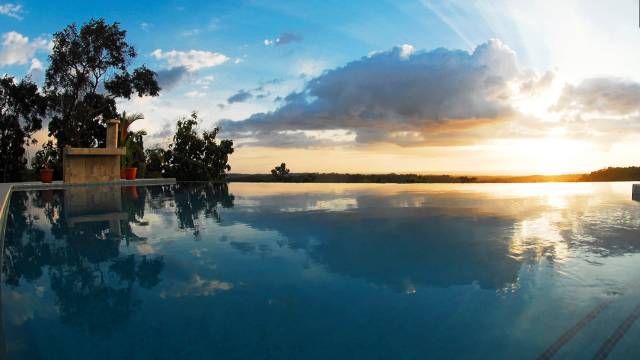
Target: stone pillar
pixel 112 133
pixel 636 192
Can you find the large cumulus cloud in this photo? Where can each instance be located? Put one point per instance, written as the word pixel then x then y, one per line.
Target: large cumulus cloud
pixel 398 96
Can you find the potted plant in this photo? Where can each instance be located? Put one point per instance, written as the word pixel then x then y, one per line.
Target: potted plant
pixel 132 141
pixel 45 160
pixel 134 158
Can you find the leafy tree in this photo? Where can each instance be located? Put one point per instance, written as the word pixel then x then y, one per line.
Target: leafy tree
pixel 21 111
pixel 88 72
pixel 192 156
pixel 280 172
pixel 154 162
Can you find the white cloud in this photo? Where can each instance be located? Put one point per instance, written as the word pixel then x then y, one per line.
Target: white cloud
pixel 192 60
pixel 35 69
pixel 11 10
pixel 406 50
pixel 195 94
pixel 36 65
pixel 17 49
pixel 145 26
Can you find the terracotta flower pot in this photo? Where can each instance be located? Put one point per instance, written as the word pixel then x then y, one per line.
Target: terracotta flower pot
pixel 122 175
pixel 130 173
pixel 46 175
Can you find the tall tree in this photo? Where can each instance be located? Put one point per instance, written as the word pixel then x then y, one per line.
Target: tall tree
pixel 22 109
pixel 88 72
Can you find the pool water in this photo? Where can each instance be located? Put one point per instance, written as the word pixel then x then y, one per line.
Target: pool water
pixel 322 271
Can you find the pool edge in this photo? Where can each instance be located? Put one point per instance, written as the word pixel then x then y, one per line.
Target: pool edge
pixel 7 188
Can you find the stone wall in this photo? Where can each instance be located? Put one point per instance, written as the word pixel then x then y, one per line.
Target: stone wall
pixel 87 168
pixel 90 165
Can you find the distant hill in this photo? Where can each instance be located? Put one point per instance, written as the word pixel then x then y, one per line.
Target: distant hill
pixel 608 174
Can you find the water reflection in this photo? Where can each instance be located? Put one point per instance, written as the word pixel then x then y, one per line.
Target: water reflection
pixel 74 240
pixel 400 247
pixel 101 263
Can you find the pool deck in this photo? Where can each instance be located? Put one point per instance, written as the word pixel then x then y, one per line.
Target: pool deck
pixel 7 188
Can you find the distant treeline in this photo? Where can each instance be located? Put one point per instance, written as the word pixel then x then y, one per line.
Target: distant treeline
pixel 608 174
pixel 352 178
pixel 631 173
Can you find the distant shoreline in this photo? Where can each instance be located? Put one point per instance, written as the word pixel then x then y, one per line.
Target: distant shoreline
pixel 603 175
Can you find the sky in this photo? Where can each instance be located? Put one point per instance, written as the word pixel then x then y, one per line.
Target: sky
pixel 406 86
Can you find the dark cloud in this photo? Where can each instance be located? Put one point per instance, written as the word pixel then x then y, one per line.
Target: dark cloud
pixel 601 95
pixel 240 96
pixel 398 96
pixel 288 38
pixel 244 95
pixel 170 78
pixel 284 39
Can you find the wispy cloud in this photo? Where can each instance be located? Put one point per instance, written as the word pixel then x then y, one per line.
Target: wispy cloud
pixel 12 10
pixel 195 94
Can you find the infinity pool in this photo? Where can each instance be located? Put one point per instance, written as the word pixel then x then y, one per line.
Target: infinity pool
pixel 323 271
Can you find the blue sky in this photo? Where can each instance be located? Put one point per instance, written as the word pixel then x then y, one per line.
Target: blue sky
pixel 237 61
pixel 332 32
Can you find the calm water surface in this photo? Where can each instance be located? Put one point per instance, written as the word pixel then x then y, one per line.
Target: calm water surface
pixel 322 271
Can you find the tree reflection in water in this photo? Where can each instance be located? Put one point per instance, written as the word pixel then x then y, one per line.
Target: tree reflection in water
pixel 193 200
pixel 74 237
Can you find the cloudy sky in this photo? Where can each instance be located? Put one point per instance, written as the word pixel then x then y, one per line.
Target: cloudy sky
pixel 461 87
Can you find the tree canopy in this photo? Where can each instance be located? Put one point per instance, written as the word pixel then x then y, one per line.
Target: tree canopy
pixel 22 109
pixel 280 172
pixel 88 71
pixel 192 156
